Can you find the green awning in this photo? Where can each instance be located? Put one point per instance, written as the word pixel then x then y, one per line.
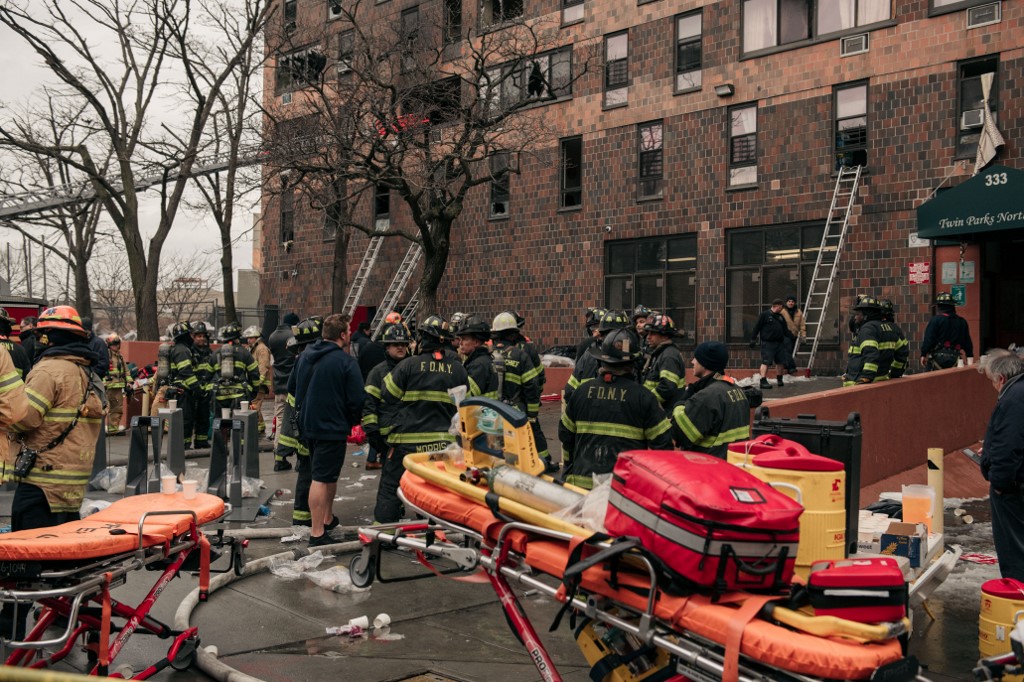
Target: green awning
pixel 991 201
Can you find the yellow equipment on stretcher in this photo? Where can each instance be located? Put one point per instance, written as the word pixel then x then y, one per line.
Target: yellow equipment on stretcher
pixel 494 432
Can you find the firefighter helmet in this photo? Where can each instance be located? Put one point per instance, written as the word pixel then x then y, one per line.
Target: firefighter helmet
pixel 641 311
pixel 5 316
pixel 61 317
pixel 867 303
pixel 200 328
pixel 230 332
pixel 456 321
pixel 662 324
pixel 393 318
pixel 434 326
pixel 944 298
pixel 396 334
pixel 113 338
pixel 252 332
pixel 618 348
pixel 613 319
pixel 594 316
pixel 504 322
pixel 306 331
pixel 887 307
pixel 182 328
pixel 520 320
pixel 474 325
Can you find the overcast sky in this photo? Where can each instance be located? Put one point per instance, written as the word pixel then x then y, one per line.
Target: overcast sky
pixel 21 77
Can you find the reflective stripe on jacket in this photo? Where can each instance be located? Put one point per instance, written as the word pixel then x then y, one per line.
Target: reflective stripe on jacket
pixel 665 374
pixel 716 414
pixel 418 405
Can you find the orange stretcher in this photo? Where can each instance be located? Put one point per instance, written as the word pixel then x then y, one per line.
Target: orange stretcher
pixel 68 572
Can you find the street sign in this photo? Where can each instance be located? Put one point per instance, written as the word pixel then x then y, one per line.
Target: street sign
pixel 959 294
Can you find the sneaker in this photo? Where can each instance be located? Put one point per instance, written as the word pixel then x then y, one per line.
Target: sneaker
pixel 779 380
pixel 320 540
pixel 335 522
pixel 373 465
pixel 764 384
pixel 282 465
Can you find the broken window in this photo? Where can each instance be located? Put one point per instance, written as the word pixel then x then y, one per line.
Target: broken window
pixel 497 11
pixel 298 69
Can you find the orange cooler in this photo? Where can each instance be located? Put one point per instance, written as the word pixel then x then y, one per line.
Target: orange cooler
pixel 821 482
pixel 1002 605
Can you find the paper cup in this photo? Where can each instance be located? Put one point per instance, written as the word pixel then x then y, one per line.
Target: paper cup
pixel 970 362
pixel 244 406
pixel 172 404
pixel 382 620
pixel 361 622
pixel 189 488
pixel 225 413
pixel 168 484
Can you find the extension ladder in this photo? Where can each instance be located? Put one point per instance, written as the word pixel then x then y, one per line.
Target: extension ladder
pixel 394 292
pixel 362 275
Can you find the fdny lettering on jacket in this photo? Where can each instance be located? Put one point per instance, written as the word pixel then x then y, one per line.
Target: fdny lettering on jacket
pixel 599 392
pixel 736 394
pixel 435 366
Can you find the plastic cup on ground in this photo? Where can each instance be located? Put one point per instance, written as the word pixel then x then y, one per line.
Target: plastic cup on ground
pixel 381 621
pixel 361 622
pixel 168 484
pixel 189 488
pixel 172 404
pixel 917 504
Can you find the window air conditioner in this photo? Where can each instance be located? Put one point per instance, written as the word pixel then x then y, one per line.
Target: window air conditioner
pixel 851 45
pixel 334 10
pixel 983 15
pixel 286 98
pixel 975 118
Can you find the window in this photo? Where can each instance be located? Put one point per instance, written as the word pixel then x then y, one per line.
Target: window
pixel 297 137
pixel 452 20
pixel 499 185
pixel 333 9
pixel 287 211
pixel 659 273
pixel 410 32
pixel 346 49
pixel 546 76
pixel 571 175
pixel 616 69
pixel 743 145
pixel 381 206
pixel 768 263
pixel 435 103
pixel 651 160
pixel 498 11
pixel 572 11
pixel 298 69
pixel 851 131
pixel 943 6
pixel 839 15
pixel 688 51
pixel 290 14
pixel 971 107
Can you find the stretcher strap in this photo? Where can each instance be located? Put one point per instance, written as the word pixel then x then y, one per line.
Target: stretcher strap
pixel 734 635
pixel 104 652
pixel 204 567
pixel 477 577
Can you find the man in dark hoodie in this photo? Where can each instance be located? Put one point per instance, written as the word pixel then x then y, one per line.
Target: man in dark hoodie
pixel 329 400
pixel 27 334
pixel 99 347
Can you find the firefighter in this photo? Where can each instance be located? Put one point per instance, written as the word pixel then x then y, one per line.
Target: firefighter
pixel 237 371
pixel 396 339
pixel 901 352
pixel 418 406
pixel 587 366
pixel 473 334
pixel 640 317
pixel 305 333
pixel 593 319
pixel 947 338
pixel 714 411
pixel 19 355
pixel 264 360
pixel 538 377
pixel 27 334
pixel 13 402
pixel 871 353
pixel 610 414
pixel 116 385
pixel 181 383
pixel 206 368
pixel 280 342
pixel 664 372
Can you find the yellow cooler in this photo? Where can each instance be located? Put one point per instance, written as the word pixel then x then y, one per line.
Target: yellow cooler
pixel 821 482
pixel 1002 605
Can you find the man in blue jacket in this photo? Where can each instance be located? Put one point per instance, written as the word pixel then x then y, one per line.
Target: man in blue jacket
pixel 329 401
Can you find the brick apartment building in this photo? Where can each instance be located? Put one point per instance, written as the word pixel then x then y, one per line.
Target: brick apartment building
pixel 696 165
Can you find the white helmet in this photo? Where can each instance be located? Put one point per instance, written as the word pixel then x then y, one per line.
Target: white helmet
pixel 504 322
pixel 250 332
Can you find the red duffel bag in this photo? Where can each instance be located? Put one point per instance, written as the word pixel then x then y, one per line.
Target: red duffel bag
pixel 709 521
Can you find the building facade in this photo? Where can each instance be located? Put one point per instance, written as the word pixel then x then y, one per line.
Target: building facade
pixel 696 162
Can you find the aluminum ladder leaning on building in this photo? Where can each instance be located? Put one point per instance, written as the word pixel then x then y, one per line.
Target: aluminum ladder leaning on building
pixel 398 284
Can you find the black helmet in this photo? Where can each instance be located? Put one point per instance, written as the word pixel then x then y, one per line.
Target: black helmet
pixel 306 331
pixel 5 316
pixel 944 298
pixel 230 332
pixel 641 311
pixel 594 316
pixel 457 319
pixel 183 328
pixel 612 319
pixel 867 303
pixel 661 324
pixel 434 326
pixel 620 347
pixel 396 334
pixel 887 306
pixel 200 328
pixel 474 325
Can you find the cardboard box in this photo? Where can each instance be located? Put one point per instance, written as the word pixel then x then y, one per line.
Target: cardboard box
pixel 905 539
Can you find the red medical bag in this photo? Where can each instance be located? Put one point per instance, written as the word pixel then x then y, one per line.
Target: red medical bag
pixel 861 590
pixel 707 520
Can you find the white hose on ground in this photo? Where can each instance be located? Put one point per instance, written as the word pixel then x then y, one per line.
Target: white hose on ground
pixel 208 662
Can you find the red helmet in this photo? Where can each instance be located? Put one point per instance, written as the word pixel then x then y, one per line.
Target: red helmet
pixel 61 317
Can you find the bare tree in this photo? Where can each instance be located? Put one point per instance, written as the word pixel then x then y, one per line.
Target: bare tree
pixel 113 303
pixel 125 59
pixel 185 289
pixel 418 106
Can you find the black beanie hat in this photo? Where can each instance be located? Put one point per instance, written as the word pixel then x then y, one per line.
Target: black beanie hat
pixel 712 355
pixel 291 319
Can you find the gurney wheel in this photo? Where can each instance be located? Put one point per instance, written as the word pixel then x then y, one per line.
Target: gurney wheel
pixel 362 569
pixel 186 655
